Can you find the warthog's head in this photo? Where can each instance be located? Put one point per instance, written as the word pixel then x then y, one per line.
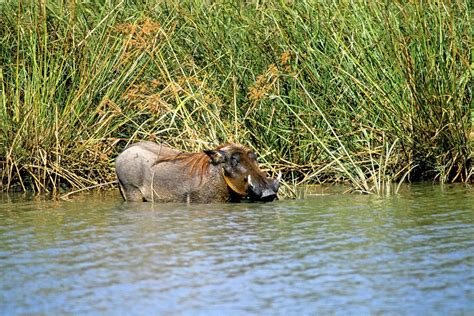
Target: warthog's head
pixel 242 173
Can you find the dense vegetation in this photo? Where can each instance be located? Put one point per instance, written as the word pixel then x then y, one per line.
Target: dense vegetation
pixel 365 92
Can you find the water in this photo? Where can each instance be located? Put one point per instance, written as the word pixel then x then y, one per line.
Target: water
pixel 411 254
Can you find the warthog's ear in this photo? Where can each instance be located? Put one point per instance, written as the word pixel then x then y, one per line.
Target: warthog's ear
pixel 216 156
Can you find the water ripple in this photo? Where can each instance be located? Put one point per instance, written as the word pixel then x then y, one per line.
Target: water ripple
pixel 411 254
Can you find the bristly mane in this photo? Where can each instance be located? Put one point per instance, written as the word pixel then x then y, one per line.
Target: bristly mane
pixel 197 163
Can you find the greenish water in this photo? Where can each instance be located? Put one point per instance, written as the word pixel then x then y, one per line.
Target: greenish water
pixel 410 254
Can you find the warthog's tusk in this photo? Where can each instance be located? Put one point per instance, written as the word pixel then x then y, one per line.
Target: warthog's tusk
pixel 249 180
pixel 279 176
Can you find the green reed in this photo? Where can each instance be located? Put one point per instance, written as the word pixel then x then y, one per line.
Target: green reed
pixel 367 93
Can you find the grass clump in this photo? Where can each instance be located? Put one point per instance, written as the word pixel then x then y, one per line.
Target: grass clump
pixel 366 93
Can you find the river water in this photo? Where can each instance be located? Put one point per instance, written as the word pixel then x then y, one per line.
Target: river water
pixel 408 254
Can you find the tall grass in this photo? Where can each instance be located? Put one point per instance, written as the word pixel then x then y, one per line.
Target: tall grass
pixel 368 93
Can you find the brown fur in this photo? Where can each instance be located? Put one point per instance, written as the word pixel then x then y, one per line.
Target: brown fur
pixel 196 163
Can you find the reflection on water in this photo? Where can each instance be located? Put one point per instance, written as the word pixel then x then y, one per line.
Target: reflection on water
pixel 332 254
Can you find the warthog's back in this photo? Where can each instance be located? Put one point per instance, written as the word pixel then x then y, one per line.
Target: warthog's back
pixel 155 172
pixel 134 169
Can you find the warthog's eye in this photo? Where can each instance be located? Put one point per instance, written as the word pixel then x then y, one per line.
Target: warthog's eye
pixel 234 160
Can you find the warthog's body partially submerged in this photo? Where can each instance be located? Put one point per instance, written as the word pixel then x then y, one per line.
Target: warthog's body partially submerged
pixel 152 172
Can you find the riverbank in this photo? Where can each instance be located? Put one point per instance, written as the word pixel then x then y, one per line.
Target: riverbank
pixel 366 94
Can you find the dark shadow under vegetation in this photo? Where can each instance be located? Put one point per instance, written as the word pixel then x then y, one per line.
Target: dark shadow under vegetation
pixel 366 93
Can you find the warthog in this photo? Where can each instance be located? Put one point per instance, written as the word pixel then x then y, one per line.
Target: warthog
pixel 148 171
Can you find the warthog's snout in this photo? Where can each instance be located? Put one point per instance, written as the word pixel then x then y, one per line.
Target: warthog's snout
pixel 265 190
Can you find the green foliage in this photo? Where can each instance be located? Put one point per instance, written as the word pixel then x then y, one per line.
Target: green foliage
pixel 365 92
